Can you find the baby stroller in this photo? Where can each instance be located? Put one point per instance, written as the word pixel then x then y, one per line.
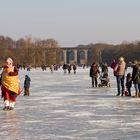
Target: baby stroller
pixel 105 82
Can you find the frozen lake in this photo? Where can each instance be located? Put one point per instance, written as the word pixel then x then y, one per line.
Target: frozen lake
pixel 66 107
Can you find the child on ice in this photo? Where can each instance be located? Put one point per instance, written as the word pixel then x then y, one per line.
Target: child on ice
pixel 27 85
pixel 128 83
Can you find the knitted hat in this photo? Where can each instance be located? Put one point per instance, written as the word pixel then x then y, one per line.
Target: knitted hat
pixel 121 59
pixel 9 62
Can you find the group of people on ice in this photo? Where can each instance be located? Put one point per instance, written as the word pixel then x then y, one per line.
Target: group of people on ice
pixel 10 84
pixel 124 86
pixel 53 67
pixel 103 74
pixel 69 67
pixel 124 80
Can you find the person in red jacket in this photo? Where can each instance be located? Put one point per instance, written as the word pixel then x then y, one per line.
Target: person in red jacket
pixel 9 84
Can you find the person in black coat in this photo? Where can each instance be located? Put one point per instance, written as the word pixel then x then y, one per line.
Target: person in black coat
pixel 94 72
pixel 65 68
pixel 27 85
pixel 128 84
pixel 136 78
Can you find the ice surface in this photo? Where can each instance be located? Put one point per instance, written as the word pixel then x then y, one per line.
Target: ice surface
pixel 66 107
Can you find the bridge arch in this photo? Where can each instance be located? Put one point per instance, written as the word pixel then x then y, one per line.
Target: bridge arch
pixel 74 55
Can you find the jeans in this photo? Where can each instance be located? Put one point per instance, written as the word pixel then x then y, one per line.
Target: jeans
pixel 94 81
pixel 137 88
pixel 120 84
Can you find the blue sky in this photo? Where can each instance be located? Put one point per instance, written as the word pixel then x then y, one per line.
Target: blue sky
pixel 71 22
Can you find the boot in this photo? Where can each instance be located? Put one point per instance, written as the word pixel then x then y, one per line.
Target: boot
pixel 6 105
pixel 135 95
pixel 11 105
pixel 11 108
pixel 123 93
pixel 6 108
pixel 138 95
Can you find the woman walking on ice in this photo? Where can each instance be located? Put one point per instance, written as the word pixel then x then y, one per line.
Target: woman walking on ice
pixel 120 75
pixel 9 84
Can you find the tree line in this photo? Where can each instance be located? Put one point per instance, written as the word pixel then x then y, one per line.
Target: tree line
pixel 105 53
pixel 37 52
pixel 29 51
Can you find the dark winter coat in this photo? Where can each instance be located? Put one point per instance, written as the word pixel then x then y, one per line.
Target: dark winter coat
pixel 94 71
pixel 65 66
pixel 104 68
pixel 136 74
pixel 128 82
pixel 27 82
pixel 74 67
